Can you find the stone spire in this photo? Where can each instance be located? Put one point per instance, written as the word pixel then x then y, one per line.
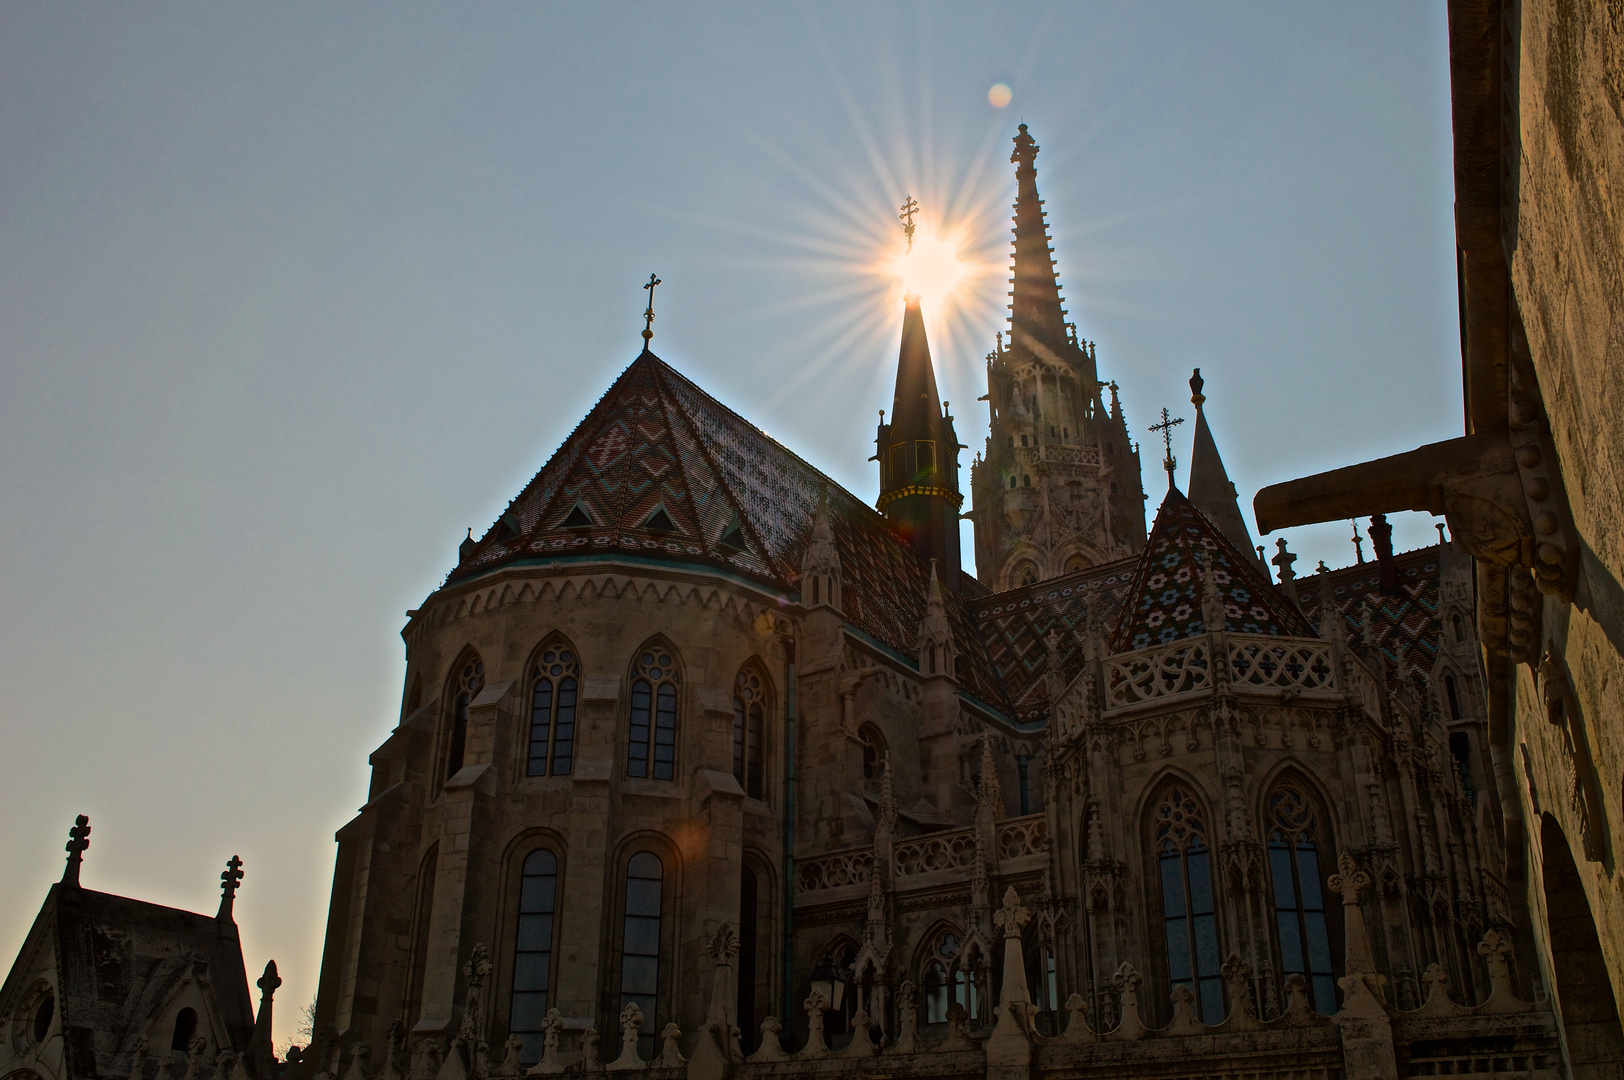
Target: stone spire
pixel 918 452
pixel 78 841
pixel 230 881
pixel 1037 321
pixel 1210 489
pixel 935 633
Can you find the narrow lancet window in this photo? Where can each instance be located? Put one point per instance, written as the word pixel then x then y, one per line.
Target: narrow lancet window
pixel 1299 895
pixel 470 680
pixel 652 748
pixel 554 689
pixel 1189 919
pixel 749 709
pixel 640 945
pixel 533 952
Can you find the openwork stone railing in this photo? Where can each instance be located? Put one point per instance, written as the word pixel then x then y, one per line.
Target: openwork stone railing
pixel 1075 455
pixel 939 851
pixel 1023 836
pixel 1289 664
pixel 834 871
pixel 1162 671
pixel 1256 662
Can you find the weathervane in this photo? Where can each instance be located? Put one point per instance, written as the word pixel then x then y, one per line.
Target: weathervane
pixel 1169 462
pixel 648 314
pixel 909 209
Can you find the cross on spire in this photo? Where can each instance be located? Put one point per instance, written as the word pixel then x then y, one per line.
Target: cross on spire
pixel 909 209
pixel 648 313
pixel 230 878
pixel 78 840
pixel 1169 462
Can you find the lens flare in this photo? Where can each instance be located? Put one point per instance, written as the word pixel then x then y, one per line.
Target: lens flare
pixel 999 96
pixel 932 270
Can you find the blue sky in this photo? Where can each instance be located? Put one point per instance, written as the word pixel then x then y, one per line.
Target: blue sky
pixel 291 295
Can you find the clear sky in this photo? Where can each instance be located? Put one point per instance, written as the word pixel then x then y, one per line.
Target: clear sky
pixel 291 295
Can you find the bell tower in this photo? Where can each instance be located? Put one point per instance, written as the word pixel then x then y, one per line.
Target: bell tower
pixel 918 453
pixel 1058 489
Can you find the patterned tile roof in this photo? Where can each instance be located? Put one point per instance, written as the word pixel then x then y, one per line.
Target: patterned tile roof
pixel 1165 604
pixel 1404 624
pixel 734 498
pixel 1014 625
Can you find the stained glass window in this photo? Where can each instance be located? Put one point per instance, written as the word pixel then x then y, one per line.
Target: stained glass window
pixel 1299 894
pixel 1189 918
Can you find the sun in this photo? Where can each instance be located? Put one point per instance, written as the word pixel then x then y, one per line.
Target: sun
pixel 932 269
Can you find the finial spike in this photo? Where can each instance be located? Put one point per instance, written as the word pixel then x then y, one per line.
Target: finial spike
pixel 78 840
pixel 230 878
pixel 648 313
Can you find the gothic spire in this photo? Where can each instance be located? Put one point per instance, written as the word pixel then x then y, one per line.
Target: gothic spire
pixel 1037 321
pixel 1210 489
pixel 918 452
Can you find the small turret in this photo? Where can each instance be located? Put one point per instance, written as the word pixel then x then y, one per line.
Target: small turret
pixel 936 652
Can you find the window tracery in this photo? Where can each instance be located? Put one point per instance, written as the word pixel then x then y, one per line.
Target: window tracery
pixel 1189 916
pixel 1301 924
pixel 652 748
pixel 554 688
pixel 749 713
pixel 469 681
pixel 640 943
pixel 873 747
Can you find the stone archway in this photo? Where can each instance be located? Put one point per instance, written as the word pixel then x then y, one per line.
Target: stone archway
pixel 1590 1022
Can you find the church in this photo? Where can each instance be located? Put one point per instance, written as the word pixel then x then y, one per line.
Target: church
pixel 708 767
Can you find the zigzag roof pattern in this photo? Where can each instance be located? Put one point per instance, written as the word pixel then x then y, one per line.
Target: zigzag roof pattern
pixel 734 498
pixel 1405 623
pixel 1015 625
pixel 1165 604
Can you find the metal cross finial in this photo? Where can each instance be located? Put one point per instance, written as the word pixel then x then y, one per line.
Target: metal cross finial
pixel 1358 544
pixel 1169 462
pixel 648 313
pixel 909 209
pixel 78 840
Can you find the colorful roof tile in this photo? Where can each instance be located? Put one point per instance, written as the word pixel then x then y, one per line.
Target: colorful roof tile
pixel 1404 624
pixel 734 498
pixel 1165 604
pixel 1015 624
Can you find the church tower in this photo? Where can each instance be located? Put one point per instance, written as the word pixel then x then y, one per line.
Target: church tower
pixel 918 452
pixel 1058 489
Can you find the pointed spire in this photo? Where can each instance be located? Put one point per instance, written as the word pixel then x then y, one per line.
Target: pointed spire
pixel 918 452
pixel 935 633
pixel 259 1045
pixel 820 563
pixel 230 879
pixel 1036 319
pixel 1210 489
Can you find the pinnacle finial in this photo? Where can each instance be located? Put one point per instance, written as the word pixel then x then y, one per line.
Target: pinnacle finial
pixel 648 313
pixel 1026 149
pixel 1196 383
pixel 1358 544
pixel 230 879
pixel 78 840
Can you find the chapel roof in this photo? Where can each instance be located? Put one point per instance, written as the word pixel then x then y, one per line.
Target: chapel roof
pixel 1165 603
pixel 732 497
pixel 118 963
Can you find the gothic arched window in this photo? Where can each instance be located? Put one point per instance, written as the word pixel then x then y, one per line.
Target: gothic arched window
pixel 652 750
pixel 640 943
pixel 185 1028
pixel 1026 574
pixel 469 680
pixel 553 690
pixel 1189 920
pixel 749 711
pixel 1299 893
pixel 873 746
pixel 940 978
pixel 533 952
